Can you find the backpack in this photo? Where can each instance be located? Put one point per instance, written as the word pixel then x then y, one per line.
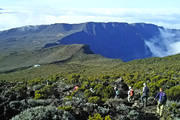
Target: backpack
pixel 163 98
pixel 117 92
pixel 132 92
pixel 146 90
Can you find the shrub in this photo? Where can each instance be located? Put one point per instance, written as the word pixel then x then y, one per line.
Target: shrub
pixel 103 110
pixel 88 93
pixel 173 93
pixel 107 92
pixel 92 85
pixel 94 99
pixel 54 78
pixel 74 78
pixel 98 89
pixel 133 114
pixel 139 84
pixel 172 110
pixel 102 77
pixel 66 108
pixel 44 113
pixel 123 108
pixel 96 117
pixel 44 92
pixel 41 102
pixel 36 81
pixel 85 85
pixel 107 117
pixel 20 88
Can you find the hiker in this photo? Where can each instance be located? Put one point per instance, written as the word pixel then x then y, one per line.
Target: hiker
pixel 161 102
pixel 130 94
pixel 47 82
pixel 76 87
pixel 144 96
pixel 92 90
pixel 116 92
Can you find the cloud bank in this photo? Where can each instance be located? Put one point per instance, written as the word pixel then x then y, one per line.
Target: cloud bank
pixel 166 43
pixel 19 16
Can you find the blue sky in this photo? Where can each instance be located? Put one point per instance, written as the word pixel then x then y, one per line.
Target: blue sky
pixel 18 13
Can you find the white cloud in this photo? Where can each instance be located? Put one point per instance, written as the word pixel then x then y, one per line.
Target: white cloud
pixel 166 43
pixel 20 16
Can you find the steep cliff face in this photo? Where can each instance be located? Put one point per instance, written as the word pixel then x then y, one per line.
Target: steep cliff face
pixel 115 40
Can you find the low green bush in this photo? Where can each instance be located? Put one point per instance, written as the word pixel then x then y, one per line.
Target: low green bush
pixel 173 93
pixel 94 99
pixel 44 92
pixel 97 116
pixel 88 93
pixel 66 108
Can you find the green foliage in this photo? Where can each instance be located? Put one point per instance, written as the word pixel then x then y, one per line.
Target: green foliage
pixel 44 92
pixel 88 93
pixel 54 78
pixel 72 94
pixel 171 111
pixel 84 85
pixel 98 89
pixel 20 87
pixel 102 77
pixel 107 118
pixel 139 84
pixel 107 92
pixel 94 99
pixel 92 84
pixel 74 78
pixel 66 108
pixel 35 81
pixel 173 93
pixel 96 117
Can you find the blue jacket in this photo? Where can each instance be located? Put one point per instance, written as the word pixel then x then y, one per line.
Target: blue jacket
pixel 160 94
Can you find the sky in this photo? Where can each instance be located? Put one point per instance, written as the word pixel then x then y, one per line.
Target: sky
pixel 17 13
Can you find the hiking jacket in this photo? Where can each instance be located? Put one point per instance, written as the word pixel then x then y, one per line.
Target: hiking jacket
pixel 145 90
pixel 160 94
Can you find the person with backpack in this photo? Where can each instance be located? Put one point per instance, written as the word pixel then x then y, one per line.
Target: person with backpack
pixel 76 88
pixel 145 94
pixel 116 92
pixel 130 94
pixel 161 102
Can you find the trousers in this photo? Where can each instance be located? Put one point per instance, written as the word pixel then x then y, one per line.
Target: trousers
pixel 160 108
pixel 144 100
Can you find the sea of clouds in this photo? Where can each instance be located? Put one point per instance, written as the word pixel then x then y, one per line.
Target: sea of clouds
pixel 166 43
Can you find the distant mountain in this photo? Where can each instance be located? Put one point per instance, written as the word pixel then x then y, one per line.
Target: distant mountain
pixel 111 40
pixel 115 40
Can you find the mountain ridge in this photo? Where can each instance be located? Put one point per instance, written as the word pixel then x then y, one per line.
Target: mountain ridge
pixel 112 40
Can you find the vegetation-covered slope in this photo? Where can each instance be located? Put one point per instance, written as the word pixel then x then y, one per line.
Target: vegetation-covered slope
pixel 99 73
pixel 25 59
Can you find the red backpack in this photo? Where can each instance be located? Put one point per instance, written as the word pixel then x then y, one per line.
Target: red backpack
pixel 132 92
